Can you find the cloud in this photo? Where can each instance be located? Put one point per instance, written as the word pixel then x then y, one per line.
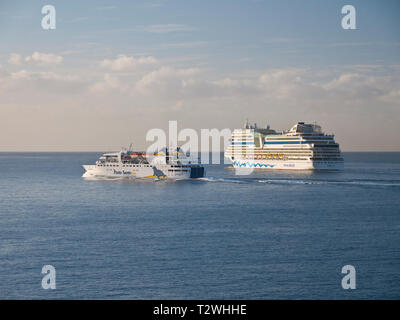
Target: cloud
pixel 166 81
pixel 44 59
pixel 15 59
pixel 123 62
pixel 38 84
pixel 344 98
pixel 109 82
pixel 392 96
pixel 163 83
pixel 286 86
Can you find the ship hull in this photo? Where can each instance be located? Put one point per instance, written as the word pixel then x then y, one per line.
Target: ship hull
pixel 143 172
pixel 289 165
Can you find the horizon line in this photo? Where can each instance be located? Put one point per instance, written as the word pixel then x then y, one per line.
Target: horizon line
pixel 97 151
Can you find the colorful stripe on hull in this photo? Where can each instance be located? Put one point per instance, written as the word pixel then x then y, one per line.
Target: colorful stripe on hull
pixel 246 164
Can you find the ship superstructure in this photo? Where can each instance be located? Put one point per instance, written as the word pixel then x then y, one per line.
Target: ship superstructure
pixel 160 165
pixel 303 147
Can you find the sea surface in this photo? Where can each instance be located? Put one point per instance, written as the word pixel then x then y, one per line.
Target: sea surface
pixel 268 235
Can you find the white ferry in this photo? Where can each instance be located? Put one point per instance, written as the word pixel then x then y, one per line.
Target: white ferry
pixel 160 165
pixel 303 147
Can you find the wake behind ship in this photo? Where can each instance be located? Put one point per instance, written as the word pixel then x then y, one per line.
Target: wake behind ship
pixel 130 164
pixel 303 147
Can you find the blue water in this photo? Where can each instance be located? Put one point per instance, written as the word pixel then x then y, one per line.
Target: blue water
pixel 270 235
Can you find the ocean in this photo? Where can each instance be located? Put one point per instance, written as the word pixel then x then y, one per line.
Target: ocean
pixel 268 235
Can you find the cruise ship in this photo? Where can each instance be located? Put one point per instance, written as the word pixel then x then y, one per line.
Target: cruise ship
pixel 303 147
pixel 140 165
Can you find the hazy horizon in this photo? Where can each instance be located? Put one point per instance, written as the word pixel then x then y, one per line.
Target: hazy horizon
pixel 110 72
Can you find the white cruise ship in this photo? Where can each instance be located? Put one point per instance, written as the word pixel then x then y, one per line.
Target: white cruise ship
pixel 303 147
pixel 130 164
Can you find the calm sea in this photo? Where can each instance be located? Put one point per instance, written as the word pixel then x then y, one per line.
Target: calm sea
pixel 269 235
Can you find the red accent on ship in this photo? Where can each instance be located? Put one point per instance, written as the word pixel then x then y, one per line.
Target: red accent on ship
pixel 138 154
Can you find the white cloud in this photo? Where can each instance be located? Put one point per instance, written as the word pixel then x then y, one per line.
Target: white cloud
pixel 38 84
pixel 109 82
pixel 342 98
pixel 123 62
pixel 15 59
pixel 44 59
pixel 277 86
pixel 166 80
pixel 391 96
pixel 21 75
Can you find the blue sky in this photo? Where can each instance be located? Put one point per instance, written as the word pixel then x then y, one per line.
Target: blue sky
pixel 203 63
pixel 273 33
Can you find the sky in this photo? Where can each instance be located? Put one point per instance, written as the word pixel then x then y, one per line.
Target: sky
pixel 112 70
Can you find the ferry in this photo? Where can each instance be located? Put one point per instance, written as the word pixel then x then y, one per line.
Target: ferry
pixel 140 165
pixel 303 147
